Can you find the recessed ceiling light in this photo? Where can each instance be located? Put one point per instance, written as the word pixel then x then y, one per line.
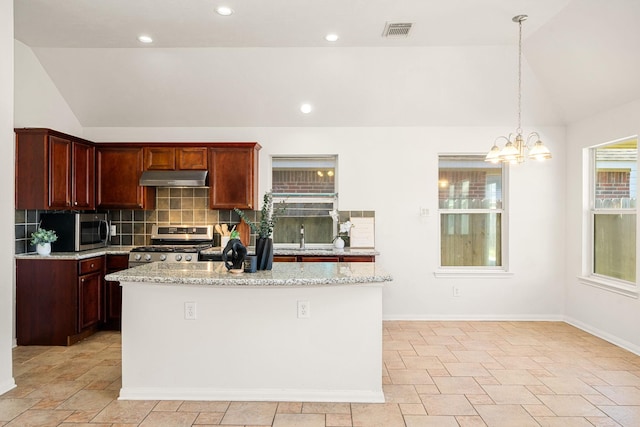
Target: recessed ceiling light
pixel 145 39
pixel 224 11
pixel 331 37
pixel 306 108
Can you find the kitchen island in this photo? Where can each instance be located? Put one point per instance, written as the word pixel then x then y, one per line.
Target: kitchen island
pixel 299 332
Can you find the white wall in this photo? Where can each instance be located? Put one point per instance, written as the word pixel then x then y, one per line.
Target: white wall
pixel 605 313
pixel 7 196
pixel 39 103
pixel 394 171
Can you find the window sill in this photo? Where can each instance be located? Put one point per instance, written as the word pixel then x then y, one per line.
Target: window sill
pixel 620 288
pixel 472 274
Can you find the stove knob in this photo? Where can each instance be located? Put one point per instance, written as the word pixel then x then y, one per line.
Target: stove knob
pixel 178 257
pixel 187 258
pixel 147 257
pixel 163 257
pixel 138 257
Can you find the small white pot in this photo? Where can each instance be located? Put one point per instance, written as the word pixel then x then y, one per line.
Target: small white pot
pixel 338 243
pixel 43 248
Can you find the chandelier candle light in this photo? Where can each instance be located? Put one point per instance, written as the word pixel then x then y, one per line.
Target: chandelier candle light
pixel 514 150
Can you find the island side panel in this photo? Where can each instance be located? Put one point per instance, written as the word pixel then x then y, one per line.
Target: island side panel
pixel 247 343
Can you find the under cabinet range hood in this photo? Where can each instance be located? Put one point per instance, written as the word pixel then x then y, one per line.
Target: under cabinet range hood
pixel 174 179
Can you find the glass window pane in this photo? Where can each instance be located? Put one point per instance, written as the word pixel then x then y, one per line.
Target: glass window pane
pixel 615 246
pixel 307 186
pixel 616 175
pixel 470 239
pixel 302 175
pixel 469 184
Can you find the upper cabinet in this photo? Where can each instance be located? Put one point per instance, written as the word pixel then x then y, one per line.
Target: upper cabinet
pixel 175 158
pixel 53 170
pixel 118 170
pixel 233 176
pixel 59 171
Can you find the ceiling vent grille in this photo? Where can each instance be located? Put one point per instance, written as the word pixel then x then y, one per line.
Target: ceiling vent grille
pixel 397 30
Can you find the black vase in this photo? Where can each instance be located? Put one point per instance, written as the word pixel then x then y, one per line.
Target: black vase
pixel 264 253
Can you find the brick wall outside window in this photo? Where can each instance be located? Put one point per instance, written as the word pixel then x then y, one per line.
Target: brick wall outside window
pixel 302 181
pixel 612 184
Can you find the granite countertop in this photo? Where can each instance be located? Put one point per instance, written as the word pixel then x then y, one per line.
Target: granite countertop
pixel 124 250
pixel 307 251
pixel 282 274
pixel 109 250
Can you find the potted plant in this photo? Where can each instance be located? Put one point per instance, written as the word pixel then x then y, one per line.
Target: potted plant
pixel 42 240
pixel 343 230
pixel 264 229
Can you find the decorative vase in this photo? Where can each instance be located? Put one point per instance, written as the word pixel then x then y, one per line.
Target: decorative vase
pixel 338 243
pixel 43 248
pixel 264 253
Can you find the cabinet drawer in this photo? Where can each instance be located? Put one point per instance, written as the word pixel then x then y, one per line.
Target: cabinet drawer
pixel 283 258
pixel 90 265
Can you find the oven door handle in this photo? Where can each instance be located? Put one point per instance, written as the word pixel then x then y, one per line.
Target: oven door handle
pixel 107 231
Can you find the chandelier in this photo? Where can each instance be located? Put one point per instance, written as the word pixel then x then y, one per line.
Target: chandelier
pixel 514 150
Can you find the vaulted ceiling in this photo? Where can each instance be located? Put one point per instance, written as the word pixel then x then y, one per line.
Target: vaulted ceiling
pixel 255 67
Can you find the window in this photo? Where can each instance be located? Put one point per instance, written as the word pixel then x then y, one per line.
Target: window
pixel 471 207
pixel 613 210
pixel 307 186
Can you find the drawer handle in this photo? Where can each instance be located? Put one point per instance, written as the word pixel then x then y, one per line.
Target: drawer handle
pixel 82 280
pixel 92 265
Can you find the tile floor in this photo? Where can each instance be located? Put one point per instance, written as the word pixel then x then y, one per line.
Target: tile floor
pixel 440 374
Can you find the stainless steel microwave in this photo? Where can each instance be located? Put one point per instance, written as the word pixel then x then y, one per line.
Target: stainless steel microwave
pixel 77 231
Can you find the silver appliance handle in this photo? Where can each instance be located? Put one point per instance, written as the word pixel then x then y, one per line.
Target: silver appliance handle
pixel 107 230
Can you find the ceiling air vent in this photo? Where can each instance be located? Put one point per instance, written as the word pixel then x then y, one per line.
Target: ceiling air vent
pixel 397 30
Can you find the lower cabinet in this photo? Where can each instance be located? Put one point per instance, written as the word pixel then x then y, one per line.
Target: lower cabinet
pixel 113 293
pixel 316 258
pixel 58 302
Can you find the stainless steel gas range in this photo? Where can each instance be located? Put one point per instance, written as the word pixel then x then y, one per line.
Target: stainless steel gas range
pixel 173 243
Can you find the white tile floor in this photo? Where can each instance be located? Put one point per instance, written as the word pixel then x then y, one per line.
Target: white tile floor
pixel 441 374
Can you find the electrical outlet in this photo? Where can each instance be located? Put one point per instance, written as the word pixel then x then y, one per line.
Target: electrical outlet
pixel 304 310
pixel 456 291
pixel 190 311
pixel 113 231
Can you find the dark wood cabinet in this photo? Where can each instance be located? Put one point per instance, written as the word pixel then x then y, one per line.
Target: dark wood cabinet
pixel 118 171
pixel 83 188
pixel 233 176
pixel 53 170
pixel 90 279
pixel 175 158
pixel 191 158
pixel 58 301
pixel 113 293
pixel 316 258
pixel 159 158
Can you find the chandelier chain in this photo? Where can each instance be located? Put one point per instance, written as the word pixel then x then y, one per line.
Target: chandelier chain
pixel 519 130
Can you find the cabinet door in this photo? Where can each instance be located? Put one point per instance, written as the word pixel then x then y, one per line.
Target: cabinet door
pixel 59 172
pixel 159 158
pixel 83 187
pixel 113 292
pixel 232 183
pixel 191 158
pixel 89 290
pixel 118 173
pixel 358 258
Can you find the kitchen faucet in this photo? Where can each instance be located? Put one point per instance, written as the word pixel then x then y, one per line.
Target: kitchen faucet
pixel 302 236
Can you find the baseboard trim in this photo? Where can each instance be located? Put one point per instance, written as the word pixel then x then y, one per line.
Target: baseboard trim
pixel 255 395
pixel 10 384
pixel 479 317
pixel 613 339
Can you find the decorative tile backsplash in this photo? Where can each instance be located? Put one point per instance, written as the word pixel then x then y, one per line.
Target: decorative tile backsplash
pixel 174 206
